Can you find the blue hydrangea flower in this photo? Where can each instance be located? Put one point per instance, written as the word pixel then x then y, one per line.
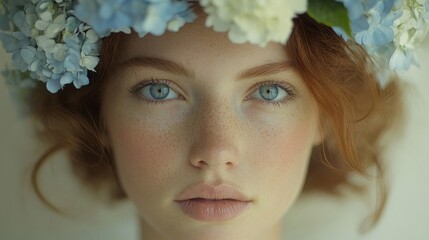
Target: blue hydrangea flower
pixel 105 16
pixel 372 21
pixel 154 17
pixel 149 16
pixel 389 29
pixel 49 43
pixel 25 19
pixel 15 41
pixel 57 44
pixel 380 29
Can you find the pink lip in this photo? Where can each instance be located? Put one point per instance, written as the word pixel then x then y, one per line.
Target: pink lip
pixel 212 203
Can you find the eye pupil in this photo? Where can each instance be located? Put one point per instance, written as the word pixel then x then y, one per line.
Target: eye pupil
pixel 159 91
pixel 269 92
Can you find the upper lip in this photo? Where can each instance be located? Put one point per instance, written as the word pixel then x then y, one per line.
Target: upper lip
pixel 212 192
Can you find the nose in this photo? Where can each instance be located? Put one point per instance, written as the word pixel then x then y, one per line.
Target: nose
pixel 216 138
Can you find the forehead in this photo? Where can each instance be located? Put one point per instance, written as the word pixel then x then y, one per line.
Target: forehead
pixel 196 45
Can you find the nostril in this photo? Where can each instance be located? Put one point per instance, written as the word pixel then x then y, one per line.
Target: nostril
pixel 214 155
pixel 202 162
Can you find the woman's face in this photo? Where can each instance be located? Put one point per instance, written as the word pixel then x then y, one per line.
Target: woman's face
pixel 193 108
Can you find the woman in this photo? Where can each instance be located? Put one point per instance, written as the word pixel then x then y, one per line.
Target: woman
pixel 214 140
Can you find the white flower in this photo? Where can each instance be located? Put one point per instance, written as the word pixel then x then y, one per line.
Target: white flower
pixel 410 29
pixel 402 59
pixel 89 62
pixel 175 24
pixel 255 21
pixel 51 26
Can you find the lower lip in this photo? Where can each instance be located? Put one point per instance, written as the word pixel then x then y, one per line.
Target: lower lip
pixel 213 210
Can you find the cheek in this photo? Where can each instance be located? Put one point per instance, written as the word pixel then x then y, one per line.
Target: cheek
pixel 145 155
pixel 291 152
pixel 286 140
pixel 282 157
pixel 285 155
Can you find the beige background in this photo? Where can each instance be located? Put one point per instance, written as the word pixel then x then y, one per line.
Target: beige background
pixel 22 216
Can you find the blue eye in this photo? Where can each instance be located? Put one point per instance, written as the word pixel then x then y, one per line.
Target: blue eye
pixel 273 92
pixel 269 92
pixel 154 91
pixel 159 91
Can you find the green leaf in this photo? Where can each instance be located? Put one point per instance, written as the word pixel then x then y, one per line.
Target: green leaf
pixel 330 13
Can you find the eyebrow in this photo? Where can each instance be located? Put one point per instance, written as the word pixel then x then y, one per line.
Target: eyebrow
pixel 177 68
pixel 266 70
pixel 160 64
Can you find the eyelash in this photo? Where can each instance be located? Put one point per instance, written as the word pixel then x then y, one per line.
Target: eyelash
pixel 286 87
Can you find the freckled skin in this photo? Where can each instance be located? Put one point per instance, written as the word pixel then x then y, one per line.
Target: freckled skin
pixel 212 135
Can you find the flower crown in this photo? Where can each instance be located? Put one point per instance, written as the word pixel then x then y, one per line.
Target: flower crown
pixel 58 41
